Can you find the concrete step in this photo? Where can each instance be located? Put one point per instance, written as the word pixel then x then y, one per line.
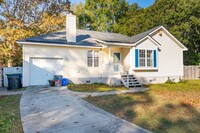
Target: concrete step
pixel 126 76
pixel 135 82
pixel 135 85
pixel 131 80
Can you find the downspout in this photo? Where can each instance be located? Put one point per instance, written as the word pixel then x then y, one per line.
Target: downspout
pixel 109 64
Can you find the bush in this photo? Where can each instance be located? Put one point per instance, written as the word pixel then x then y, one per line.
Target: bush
pixel 170 81
pixel 182 81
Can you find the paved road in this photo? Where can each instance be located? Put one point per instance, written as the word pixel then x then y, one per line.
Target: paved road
pixel 57 110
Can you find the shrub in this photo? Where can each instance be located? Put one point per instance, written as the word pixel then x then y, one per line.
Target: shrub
pixel 170 81
pixel 182 80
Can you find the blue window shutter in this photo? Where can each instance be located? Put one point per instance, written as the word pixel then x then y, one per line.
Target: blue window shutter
pixel 136 57
pixel 155 58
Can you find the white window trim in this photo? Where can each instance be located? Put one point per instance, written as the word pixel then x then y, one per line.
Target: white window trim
pixel 93 59
pixel 146 67
pixel 146 58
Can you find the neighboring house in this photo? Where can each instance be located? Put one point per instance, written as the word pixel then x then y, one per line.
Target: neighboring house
pixel 85 56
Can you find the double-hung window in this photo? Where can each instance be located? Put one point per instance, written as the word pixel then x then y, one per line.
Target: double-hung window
pixel 90 58
pixel 93 58
pixel 142 58
pixel 145 58
pixel 149 58
pixel 96 58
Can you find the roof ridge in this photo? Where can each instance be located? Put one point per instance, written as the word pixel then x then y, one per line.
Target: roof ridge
pixel 102 32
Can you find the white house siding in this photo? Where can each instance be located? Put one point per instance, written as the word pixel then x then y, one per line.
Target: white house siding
pixel 107 76
pixel 169 61
pixel 75 62
pixel 126 57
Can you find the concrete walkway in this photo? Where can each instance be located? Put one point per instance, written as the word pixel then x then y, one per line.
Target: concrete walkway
pixel 4 92
pixel 58 110
pixel 93 94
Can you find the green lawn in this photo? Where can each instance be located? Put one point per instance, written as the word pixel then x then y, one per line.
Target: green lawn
pixel 10 120
pixel 171 108
pixel 96 87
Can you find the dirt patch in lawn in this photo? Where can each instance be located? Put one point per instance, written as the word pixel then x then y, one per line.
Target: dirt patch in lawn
pixel 10 120
pixel 96 87
pixel 164 108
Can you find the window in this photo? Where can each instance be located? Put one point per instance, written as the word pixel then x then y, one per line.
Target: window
pixel 116 57
pixel 149 58
pixel 145 58
pixel 93 58
pixel 142 56
pixel 89 59
pixel 96 58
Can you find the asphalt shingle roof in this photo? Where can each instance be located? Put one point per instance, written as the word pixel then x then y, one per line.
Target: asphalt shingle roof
pixel 139 36
pixel 86 38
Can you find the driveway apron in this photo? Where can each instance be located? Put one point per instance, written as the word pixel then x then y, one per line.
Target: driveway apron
pixel 57 110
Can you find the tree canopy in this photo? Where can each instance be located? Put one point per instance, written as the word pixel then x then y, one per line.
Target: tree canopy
pixel 22 19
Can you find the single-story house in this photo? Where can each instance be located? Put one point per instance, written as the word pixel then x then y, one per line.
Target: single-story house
pixel 85 56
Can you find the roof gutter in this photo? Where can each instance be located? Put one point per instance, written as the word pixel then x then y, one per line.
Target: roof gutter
pixel 149 37
pixel 55 44
pixel 110 43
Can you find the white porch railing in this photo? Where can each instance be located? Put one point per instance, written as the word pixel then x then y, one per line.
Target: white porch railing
pixel 114 68
pixel 117 68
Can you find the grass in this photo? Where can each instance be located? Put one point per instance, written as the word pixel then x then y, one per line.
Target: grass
pixel 96 87
pixel 10 120
pixel 164 108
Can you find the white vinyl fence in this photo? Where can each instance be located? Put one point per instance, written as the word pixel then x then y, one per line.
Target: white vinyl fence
pixel 1 77
pixel 191 72
pixel 10 70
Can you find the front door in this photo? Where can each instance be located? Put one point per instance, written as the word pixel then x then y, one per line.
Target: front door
pixel 116 61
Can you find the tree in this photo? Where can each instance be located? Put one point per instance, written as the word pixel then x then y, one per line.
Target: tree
pixel 103 14
pixel 22 19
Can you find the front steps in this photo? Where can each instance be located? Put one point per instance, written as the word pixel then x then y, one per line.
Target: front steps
pixel 132 82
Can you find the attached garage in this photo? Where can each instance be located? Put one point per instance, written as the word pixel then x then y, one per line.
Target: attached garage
pixel 44 69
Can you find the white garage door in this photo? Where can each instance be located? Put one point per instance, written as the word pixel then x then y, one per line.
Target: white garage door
pixel 43 69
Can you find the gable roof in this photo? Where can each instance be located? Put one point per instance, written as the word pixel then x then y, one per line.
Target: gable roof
pixel 59 37
pixel 88 38
pixel 138 37
pixel 83 38
pixel 176 40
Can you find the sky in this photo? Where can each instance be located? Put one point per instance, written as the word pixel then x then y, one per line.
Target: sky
pixel 141 3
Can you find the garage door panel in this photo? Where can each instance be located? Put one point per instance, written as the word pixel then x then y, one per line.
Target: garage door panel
pixel 42 70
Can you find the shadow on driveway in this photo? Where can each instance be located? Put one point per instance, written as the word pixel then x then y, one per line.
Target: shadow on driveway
pixel 59 110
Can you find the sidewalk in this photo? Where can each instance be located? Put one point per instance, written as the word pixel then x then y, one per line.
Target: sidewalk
pixel 4 92
pixel 93 94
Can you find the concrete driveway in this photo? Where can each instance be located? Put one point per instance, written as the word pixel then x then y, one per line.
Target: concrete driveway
pixel 57 110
